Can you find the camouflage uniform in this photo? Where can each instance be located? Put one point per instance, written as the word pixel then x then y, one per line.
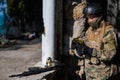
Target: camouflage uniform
pixel 76 62
pixel 79 21
pixel 98 66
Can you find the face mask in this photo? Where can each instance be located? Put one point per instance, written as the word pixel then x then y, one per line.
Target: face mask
pixel 95 23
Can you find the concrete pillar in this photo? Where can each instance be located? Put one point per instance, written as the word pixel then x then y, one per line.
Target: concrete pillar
pixel 48 35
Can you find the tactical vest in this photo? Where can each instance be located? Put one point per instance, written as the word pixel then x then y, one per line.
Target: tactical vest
pixel 98 34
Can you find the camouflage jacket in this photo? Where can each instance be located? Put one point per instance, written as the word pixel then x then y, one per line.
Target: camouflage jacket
pixel 103 41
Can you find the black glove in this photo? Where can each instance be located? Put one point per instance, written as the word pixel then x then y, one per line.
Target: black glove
pixel 88 50
pixel 81 48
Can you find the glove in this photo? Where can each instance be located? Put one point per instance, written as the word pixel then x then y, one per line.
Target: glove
pixel 80 47
pixel 88 50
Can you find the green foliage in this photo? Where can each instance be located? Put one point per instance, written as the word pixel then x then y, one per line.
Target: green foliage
pixel 15 7
pixel 21 6
pixel 10 6
pixel 25 12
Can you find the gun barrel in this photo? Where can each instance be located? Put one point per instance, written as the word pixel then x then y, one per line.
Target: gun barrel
pixel 34 70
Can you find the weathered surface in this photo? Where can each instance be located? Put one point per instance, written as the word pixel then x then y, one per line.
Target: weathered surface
pixel 18 58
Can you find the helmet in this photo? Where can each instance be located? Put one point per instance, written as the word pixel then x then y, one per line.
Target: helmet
pixel 93 8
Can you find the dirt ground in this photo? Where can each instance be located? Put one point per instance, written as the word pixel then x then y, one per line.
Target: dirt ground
pixel 17 58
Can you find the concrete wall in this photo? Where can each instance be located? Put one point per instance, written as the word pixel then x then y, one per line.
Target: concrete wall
pixel 112 11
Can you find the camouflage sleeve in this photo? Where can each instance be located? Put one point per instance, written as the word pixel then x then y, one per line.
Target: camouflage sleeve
pixel 110 44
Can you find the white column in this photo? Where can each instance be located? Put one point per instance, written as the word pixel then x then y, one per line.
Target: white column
pixel 48 35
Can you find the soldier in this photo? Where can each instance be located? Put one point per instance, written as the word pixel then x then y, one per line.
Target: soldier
pixel 76 60
pixel 101 37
